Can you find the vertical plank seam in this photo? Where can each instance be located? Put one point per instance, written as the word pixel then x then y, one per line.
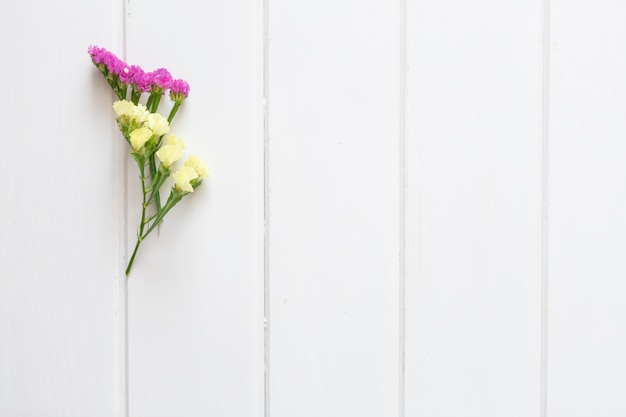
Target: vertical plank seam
pixel 544 209
pixel 121 198
pixel 266 210
pixel 402 156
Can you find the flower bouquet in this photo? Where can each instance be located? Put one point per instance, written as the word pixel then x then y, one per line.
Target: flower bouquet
pixel 145 132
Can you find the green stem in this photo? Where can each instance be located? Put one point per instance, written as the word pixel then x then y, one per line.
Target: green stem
pixel 132 258
pixel 123 92
pixel 157 181
pixel 135 95
pixel 154 186
pixel 174 199
pixel 155 104
pixel 155 192
pixel 140 236
pixel 149 101
pixel 173 112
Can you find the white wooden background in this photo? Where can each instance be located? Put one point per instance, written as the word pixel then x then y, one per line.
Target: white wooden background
pixel 418 209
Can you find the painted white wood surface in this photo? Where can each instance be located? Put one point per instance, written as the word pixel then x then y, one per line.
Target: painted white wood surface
pixel 473 213
pixel 587 179
pixel 334 95
pixel 196 292
pixel 404 160
pixel 57 213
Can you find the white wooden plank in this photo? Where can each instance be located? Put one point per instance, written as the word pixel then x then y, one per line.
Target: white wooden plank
pixel 333 166
pixel 473 213
pixel 57 213
pixel 196 291
pixel 587 336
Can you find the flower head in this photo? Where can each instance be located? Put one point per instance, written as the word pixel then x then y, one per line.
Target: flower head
pixel 168 154
pixel 133 70
pixel 115 71
pixel 179 90
pixel 157 81
pixel 172 151
pixel 183 177
pixel 158 124
pixel 108 64
pixel 129 115
pixel 141 113
pixel 140 79
pixel 139 137
pixel 198 165
pixel 175 140
pixel 161 78
pixel 125 75
pixel 113 63
pixel 124 108
pixel 96 53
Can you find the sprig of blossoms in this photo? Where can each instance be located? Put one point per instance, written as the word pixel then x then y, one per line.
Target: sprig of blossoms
pixel 145 132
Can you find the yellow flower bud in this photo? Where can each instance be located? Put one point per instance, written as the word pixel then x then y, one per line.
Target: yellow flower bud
pixel 182 178
pixel 139 137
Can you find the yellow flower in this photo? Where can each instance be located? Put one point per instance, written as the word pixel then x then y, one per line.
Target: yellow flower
pixel 126 108
pixel 139 137
pixel 158 124
pixel 175 140
pixel 172 151
pixel 198 165
pixel 140 114
pixel 182 178
pixel 123 108
pixel 168 154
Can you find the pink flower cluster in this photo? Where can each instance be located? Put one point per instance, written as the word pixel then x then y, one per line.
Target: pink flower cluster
pixel 158 80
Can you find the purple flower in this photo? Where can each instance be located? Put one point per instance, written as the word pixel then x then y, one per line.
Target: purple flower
pixel 125 75
pixel 133 70
pixel 161 78
pixel 96 53
pixel 114 64
pixel 142 80
pixel 119 74
pixel 179 87
pixel 101 56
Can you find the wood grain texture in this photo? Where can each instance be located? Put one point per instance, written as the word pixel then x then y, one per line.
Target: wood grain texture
pixel 380 173
pixel 334 94
pixel 196 290
pixel 473 213
pixel 587 336
pixel 57 213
